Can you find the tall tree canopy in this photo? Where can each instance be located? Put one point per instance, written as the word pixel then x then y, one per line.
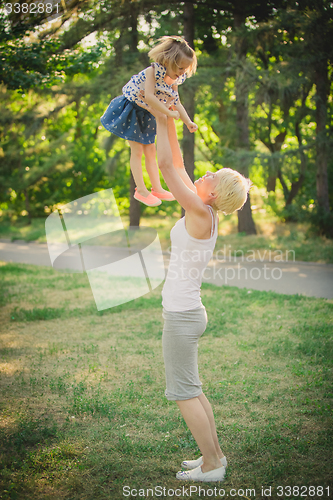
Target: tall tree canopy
pixel 261 97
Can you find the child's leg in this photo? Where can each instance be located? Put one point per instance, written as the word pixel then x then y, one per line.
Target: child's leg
pixel 136 167
pixel 152 168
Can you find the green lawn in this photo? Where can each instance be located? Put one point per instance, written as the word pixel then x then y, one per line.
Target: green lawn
pixel 83 412
pixel 274 240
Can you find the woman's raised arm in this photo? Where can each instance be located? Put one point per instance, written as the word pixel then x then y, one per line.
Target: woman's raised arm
pixel 177 156
pixel 182 189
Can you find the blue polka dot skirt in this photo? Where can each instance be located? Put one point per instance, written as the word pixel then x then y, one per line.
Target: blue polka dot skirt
pixel 129 121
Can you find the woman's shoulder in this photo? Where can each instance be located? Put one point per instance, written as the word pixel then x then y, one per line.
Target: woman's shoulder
pixel 199 223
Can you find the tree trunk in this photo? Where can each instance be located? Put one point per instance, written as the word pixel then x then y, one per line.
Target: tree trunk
pixel 274 147
pixel 188 97
pixel 296 186
pixel 245 220
pixel 322 88
pixel 135 206
pixel 271 183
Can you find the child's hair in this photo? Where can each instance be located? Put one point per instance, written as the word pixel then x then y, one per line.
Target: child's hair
pixel 232 191
pixel 171 50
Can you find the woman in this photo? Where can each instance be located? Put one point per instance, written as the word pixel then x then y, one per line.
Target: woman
pixel 193 240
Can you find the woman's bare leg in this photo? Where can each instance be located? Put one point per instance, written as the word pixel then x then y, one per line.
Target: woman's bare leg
pixel 197 420
pixel 209 412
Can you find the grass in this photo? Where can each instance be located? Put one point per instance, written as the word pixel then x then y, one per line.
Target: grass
pixel 274 239
pixel 83 412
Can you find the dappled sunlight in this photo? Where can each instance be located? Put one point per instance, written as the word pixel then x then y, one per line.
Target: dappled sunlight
pixel 228 225
pixel 7 422
pixel 77 298
pixel 9 369
pixel 85 388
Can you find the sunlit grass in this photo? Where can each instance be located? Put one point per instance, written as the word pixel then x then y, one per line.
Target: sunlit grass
pixel 83 411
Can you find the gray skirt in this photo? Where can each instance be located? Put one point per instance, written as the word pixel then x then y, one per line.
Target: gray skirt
pixel 181 333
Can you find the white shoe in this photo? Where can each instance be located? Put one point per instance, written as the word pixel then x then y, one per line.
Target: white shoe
pixel 192 464
pixel 196 474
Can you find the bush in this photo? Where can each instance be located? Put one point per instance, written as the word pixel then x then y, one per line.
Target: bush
pixel 322 222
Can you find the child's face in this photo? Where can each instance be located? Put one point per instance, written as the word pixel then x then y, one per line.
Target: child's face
pixel 176 70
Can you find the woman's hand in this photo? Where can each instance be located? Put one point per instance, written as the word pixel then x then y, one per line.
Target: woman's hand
pixel 174 114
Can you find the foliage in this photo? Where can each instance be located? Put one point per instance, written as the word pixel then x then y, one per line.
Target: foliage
pixel 323 220
pixel 58 78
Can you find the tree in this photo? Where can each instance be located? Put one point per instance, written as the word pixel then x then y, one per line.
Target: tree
pixel 240 98
pixel 282 103
pixel 245 220
pixel 189 95
pixel 260 11
pixel 135 208
pixel 29 59
pixel 234 15
pixel 315 19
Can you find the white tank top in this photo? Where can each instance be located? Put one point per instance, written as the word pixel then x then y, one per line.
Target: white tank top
pixel 188 261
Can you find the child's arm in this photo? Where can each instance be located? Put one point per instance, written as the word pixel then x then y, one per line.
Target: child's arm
pixel 184 116
pixel 152 100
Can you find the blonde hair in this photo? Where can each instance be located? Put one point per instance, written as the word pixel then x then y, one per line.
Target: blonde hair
pixel 171 50
pixel 231 191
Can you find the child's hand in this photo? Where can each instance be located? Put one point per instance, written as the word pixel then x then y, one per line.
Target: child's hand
pixel 193 127
pixel 174 114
